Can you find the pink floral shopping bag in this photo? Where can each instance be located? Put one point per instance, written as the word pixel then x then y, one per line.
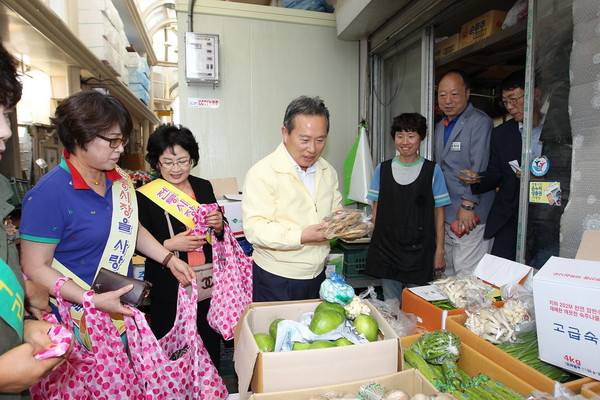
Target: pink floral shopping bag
pixel 178 365
pixel 232 284
pixel 103 373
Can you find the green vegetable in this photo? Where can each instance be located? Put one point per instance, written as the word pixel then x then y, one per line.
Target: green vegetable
pixel 441 349
pixel 444 304
pixel 414 359
pixel 438 346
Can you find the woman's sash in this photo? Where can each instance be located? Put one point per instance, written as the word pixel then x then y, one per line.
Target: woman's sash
pixel 174 201
pixel 11 298
pixel 120 245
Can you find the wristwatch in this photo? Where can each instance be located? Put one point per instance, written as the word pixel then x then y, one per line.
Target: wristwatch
pixel 467 207
pixel 30 317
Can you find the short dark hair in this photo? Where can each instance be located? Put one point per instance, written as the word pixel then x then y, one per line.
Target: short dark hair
pixel 307 106
pixel 81 117
pixel 514 81
pixel 166 136
pixel 10 85
pixel 465 77
pixel 409 122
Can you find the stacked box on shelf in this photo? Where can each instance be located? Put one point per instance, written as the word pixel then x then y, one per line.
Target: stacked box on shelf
pixel 456 324
pixel 140 92
pixel 355 259
pixel 101 30
pixel 481 27
pixel 447 46
pixel 139 76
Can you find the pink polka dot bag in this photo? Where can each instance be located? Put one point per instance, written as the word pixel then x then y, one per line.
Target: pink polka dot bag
pixel 232 284
pixel 176 366
pixel 104 372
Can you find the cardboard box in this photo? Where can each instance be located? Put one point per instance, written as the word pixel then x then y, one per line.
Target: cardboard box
pixel 481 27
pixel 411 381
pixel 428 316
pixel 229 198
pixel 474 363
pixel 456 324
pixel 272 372
pixel 567 312
pixel 492 270
pixel 588 248
pixel 232 210
pixel 224 186
pixel 447 47
pixel 590 390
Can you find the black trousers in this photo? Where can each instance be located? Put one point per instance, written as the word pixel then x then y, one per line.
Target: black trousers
pixel 505 240
pixel 271 287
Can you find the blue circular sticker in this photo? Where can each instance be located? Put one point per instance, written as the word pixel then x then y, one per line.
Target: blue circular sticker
pixel 540 166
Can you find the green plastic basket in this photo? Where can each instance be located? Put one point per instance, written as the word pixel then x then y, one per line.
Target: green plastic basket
pixel 355 259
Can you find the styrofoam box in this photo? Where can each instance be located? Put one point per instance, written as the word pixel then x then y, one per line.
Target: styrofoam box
pixel 93 5
pixel 566 296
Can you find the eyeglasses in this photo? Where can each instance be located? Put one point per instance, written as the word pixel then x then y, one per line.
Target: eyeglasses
pixel 512 102
pixel 113 143
pixel 180 163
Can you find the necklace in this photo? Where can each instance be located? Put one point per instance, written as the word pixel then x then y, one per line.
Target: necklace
pixel 96 182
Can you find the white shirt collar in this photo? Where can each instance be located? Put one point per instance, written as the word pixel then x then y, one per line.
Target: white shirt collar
pixel 306 177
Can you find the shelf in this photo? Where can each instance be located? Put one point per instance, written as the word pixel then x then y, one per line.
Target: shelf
pixel 135 29
pixel 496 50
pixel 34 30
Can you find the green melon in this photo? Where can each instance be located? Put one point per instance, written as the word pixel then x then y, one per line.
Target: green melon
pixel 325 305
pixel 264 342
pixel 366 325
pixel 342 342
pixel 300 346
pixel 321 344
pixel 273 328
pixel 325 321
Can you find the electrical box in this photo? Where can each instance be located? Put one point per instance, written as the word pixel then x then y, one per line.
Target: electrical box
pixel 202 58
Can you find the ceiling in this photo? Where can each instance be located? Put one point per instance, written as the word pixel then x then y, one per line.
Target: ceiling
pixel 33 48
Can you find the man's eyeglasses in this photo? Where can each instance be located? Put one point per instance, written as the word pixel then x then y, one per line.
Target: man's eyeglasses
pixel 113 143
pixel 180 163
pixel 512 102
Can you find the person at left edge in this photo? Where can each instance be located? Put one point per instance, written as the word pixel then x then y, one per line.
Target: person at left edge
pixel 285 198
pixel 173 152
pixel 21 336
pixel 82 215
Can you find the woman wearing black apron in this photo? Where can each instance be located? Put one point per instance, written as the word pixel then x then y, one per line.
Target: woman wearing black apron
pixel 408 194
